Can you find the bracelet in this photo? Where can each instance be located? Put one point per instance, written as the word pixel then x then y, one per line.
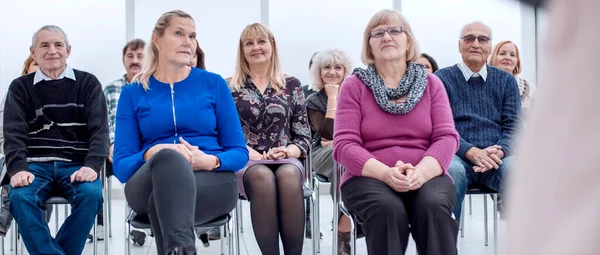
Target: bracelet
pixel 332 110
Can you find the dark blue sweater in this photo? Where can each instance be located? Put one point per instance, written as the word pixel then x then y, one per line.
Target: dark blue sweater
pixel 485 113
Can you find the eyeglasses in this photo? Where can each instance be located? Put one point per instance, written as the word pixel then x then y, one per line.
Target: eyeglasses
pixel 471 39
pixel 381 32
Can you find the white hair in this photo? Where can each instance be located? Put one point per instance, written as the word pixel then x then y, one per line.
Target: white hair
pixel 52 28
pixel 324 58
pixel 473 23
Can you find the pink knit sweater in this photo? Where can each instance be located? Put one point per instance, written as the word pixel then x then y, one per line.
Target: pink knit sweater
pixel 363 131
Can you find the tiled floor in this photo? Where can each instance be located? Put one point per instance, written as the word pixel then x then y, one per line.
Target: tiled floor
pixel 471 244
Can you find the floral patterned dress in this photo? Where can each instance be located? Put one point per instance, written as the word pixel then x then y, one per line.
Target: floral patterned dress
pixel 272 119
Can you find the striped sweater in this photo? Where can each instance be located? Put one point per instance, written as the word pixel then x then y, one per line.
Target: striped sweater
pixel 55 120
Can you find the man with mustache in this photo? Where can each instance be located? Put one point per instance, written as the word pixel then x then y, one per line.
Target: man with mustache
pixel 486 106
pixel 133 54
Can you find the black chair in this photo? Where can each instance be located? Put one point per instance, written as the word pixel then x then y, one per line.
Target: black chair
pixel 142 222
pixel 481 190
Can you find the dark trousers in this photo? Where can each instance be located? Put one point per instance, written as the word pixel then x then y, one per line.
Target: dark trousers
pixel 175 197
pixel 388 217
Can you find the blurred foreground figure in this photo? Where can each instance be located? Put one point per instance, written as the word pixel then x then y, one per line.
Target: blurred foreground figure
pixel 553 207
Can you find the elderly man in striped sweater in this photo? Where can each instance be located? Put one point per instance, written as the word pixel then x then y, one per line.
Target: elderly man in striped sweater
pixel 56 142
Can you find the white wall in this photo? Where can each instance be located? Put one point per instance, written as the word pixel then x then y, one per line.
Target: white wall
pixel 218 24
pixel 303 27
pixel 300 27
pixel 437 23
pixel 528 45
pixel 96 31
pixel 542 30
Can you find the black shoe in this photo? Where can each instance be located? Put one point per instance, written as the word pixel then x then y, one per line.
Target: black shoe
pixel 5 218
pixel 138 237
pixel 204 239
pixel 343 243
pixel 214 234
pixel 183 251
pixel 203 236
pixel 308 233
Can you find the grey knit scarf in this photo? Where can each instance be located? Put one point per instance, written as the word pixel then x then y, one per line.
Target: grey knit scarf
pixel 413 83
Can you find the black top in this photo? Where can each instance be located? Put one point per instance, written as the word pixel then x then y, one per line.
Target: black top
pixel 57 120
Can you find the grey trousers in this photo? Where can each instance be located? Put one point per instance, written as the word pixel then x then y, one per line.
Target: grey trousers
pixel 165 189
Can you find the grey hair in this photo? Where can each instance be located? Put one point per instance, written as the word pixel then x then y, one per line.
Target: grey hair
pixel 52 28
pixel 473 23
pixel 324 58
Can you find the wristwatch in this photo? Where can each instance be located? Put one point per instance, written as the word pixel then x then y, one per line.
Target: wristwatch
pixel 218 163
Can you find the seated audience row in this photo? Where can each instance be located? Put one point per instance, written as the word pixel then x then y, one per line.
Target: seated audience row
pixel 169 122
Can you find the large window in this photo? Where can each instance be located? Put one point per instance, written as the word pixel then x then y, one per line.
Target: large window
pixel 218 25
pixel 303 27
pixel 96 31
pixel 437 23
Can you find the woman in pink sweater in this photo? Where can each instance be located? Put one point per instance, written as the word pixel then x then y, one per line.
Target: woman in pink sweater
pixel 394 133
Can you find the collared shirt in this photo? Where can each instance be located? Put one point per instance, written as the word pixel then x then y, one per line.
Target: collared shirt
pixel 40 76
pixel 468 73
pixel 112 92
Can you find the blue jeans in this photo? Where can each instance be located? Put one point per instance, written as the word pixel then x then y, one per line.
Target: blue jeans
pixel 55 179
pixel 464 177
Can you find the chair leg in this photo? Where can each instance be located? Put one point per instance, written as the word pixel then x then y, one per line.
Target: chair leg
pixel 21 245
pixel 230 236
pixel 13 242
pixel 14 238
pixel 222 240
pixel 237 228
pixel 462 221
pixel 109 200
pixel 241 218
pixel 470 206
pixel 55 219
pixel 127 235
pixel 317 211
pixel 495 196
pixel 316 233
pixel 352 237
pixel 105 217
pixel 485 218
pixel 95 239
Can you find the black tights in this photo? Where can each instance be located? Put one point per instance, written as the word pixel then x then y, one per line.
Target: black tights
pixel 276 207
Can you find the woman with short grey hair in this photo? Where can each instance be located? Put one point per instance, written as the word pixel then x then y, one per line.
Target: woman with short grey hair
pixel 327 72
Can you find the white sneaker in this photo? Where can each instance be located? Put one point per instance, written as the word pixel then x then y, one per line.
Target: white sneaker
pixel 99 232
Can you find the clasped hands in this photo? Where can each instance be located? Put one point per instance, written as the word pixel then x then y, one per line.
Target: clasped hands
pixel 404 177
pixel 277 153
pixel 197 158
pixel 485 159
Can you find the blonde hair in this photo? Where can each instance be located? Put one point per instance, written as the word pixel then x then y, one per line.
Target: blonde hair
pixel 496 50
pixel 150 62
pixel 242 68
pixel 324 58
pixel 383 17
pixel 26 65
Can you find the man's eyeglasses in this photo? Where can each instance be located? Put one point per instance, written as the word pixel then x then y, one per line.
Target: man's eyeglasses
pixel 381 32
pixel 471 39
